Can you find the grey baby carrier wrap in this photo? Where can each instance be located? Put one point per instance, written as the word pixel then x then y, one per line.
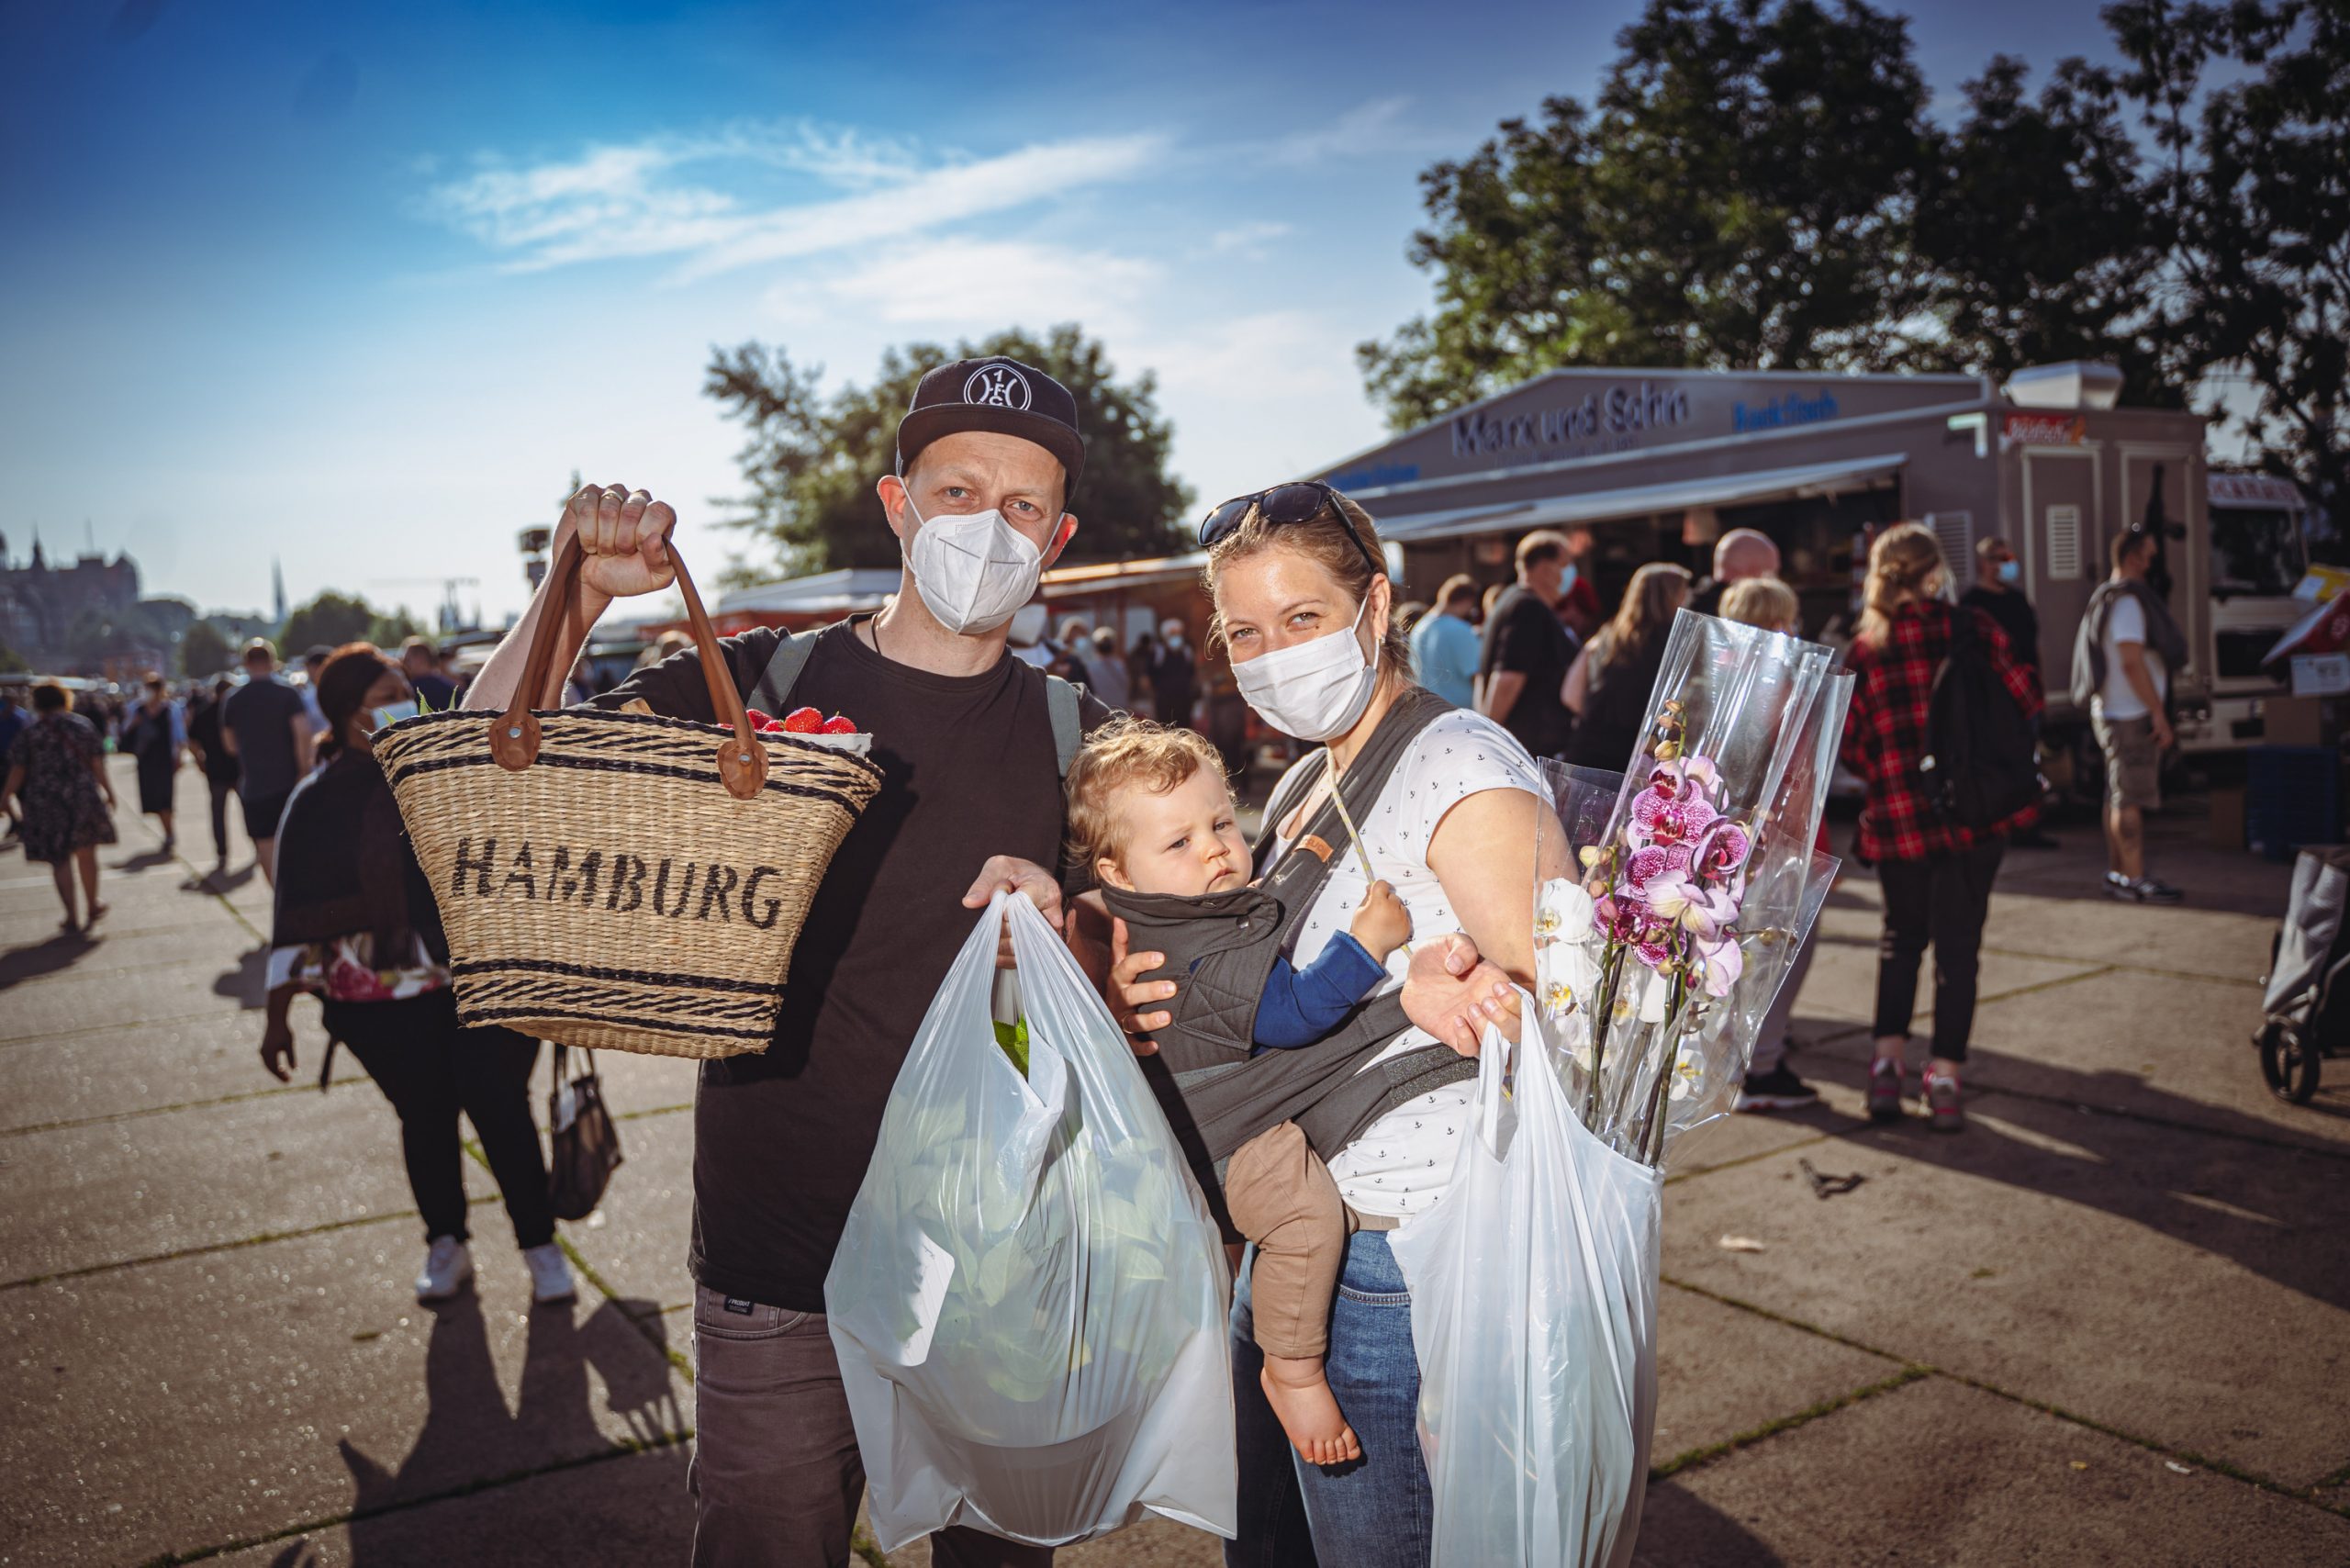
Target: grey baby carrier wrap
pixel 1220 949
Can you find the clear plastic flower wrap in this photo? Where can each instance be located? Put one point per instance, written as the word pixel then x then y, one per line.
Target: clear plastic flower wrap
pixel 1655 967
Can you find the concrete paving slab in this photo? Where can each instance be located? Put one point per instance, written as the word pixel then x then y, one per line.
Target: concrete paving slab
pixel 81 1197
pixel 225 1398
pixel 2089 1261
pixel 1721 1372
pixel 634 1509
pixel 1733 1139
pixel 1937 1473
pixel 2172 1050
pixel 121 1071
pixel 233 978
pixel 635 1083
pixel 638 1247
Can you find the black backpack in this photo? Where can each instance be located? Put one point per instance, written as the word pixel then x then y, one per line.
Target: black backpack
pixel 1980 766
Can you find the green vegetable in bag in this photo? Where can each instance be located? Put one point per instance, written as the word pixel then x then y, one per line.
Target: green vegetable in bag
pixel 1014 1038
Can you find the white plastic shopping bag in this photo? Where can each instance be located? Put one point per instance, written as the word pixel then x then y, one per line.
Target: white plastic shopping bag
pixel 1533 1285
pixel 1029 1302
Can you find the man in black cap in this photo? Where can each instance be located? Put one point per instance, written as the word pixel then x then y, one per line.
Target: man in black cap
pixel 986 457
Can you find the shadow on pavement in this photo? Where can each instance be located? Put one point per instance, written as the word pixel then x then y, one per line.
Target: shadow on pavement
pixel 248 984
pixel 1677 1527
pixel 2211 1196
pixel 146 860
pixel 220 882
pixel 470 1437
pixel 37 958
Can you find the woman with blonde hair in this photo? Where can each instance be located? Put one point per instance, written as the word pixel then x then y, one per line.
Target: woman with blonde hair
pixel 1304 605
pixel 1607 687
pixel 1937 873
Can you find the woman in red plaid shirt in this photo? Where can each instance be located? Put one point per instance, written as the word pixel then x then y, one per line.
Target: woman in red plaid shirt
pixel 1937 874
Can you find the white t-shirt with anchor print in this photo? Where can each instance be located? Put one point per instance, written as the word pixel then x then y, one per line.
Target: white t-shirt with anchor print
pixel 1402 1162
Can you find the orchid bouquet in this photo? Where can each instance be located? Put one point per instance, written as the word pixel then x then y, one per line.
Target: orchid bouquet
pixel 1694 881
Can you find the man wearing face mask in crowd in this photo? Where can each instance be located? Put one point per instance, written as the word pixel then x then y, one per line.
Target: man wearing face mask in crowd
pixel 1174 675
pixel 1999 593
pixel 970 803
pixel 1528 649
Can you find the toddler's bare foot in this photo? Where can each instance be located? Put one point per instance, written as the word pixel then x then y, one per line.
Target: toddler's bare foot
pixel 1308 1411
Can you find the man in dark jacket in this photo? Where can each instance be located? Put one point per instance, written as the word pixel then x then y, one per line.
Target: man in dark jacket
pixel 2122 656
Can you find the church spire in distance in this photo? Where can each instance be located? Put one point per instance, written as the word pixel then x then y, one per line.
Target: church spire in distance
pixel 277 589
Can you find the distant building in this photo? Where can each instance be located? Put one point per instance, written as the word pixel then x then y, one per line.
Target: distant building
pixel 39 603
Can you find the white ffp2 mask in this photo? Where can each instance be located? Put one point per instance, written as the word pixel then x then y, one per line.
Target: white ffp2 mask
pixel 973 570
pixel 1313 690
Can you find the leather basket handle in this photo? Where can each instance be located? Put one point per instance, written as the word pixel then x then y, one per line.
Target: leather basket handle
pixel 514 735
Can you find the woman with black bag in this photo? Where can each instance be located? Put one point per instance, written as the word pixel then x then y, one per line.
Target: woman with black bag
pixel 355 923
pixel 1937 870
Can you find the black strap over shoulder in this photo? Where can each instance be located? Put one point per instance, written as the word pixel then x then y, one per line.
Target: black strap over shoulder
pixel 773 695
pixel 1220 950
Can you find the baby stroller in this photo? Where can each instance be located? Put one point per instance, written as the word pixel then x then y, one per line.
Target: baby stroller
pixel 2306 1005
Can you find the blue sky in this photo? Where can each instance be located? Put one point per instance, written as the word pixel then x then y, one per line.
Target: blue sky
pixel 358 286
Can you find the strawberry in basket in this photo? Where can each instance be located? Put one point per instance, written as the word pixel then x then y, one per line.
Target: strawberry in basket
pixel 803 722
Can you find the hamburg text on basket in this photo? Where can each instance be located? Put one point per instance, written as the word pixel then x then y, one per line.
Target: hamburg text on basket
pixel 560 873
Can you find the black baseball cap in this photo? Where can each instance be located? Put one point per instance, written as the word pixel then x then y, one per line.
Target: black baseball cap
pixel 1000 395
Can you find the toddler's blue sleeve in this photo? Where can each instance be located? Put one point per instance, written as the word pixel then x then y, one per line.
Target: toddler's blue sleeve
pixel 1300 1006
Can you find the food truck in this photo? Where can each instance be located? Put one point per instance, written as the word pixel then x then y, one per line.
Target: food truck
pixel 1659 463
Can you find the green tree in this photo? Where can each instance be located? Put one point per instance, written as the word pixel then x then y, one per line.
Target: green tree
pixel 2035 229
pixel 11 661
pixel 811 462
pixel 2254 199
pixel 390 627
pixel 1739 195
pixel 204 651
pixel 328 620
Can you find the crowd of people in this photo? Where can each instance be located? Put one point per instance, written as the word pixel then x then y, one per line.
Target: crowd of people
pixel 1448 710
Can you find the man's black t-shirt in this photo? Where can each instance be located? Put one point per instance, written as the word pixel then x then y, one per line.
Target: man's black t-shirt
pixel 1523 635
pixel 2016 617
pixel 781 1139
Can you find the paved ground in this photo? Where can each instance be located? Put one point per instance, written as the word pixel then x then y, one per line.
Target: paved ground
pixel 2110 1324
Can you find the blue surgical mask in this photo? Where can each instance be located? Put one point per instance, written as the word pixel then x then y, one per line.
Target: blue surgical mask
pixel 1566 582
pixel 2011 571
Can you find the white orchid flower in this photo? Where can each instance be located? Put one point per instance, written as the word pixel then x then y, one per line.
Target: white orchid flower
pixel 1565 976
pixel 1654 998
pixel 1563 911
pixel 1688 1074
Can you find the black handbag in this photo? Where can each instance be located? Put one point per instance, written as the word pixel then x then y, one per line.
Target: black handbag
pixel 585 1144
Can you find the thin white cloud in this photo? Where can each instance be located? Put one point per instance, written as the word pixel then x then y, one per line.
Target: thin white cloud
pixel 979 285
pixel 1374 126
pixel 638 200
pixel 1247 240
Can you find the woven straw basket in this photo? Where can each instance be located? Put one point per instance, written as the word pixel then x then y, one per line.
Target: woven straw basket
pixel 622 881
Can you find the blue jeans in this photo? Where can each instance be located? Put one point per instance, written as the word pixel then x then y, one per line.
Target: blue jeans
pixel 1374 1513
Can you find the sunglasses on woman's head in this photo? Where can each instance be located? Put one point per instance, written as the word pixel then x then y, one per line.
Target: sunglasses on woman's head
pixel 1284 506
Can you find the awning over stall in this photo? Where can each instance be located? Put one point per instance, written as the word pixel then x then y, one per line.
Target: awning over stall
pixel 1639 501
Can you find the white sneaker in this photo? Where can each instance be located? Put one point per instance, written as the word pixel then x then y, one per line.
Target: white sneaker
pixel 448 1268
pixel 550 1274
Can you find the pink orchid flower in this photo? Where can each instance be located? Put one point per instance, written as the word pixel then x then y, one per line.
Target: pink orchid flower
pixel 1721 962
pixel 1724 848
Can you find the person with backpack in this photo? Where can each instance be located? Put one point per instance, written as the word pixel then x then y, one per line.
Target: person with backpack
pixel 973 742
pixel 1927 679
pixel 2122 655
